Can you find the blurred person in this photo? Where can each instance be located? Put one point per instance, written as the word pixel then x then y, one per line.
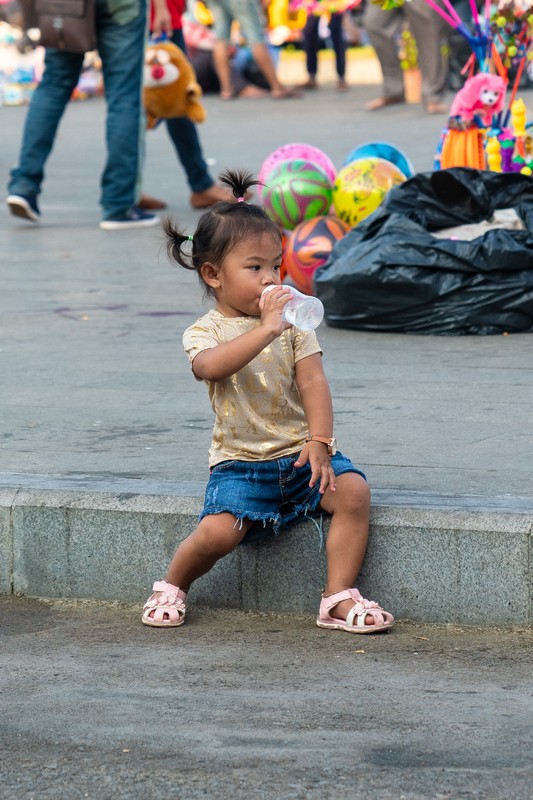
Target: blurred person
pixel 313 41
pixel 182 131
pixel 430 32
pixel 246 78
pixel 121 27
pixel 252 24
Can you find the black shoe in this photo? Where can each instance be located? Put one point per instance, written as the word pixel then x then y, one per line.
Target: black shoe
pixel 132 218
pixel 24 206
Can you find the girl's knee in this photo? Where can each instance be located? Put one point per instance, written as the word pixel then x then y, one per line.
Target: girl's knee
pixel 352 494
pixel 220 533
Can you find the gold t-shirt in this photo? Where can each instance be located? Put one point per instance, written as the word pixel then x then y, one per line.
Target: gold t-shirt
pixel 258 410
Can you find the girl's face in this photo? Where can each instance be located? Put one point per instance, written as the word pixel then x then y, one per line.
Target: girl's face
pixel 251 266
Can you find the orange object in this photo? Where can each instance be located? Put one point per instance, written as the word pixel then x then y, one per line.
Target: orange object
pixel 463 149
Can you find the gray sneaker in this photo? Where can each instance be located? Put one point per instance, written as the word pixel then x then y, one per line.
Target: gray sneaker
pixel 132 218
pixel 24 206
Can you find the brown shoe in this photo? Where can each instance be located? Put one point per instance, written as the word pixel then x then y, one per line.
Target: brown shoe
pixel 342 86
pixel 150 203
pixel 382 102
pixel 214 194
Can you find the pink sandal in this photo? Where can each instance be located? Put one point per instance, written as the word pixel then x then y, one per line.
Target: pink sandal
pixel 355 621
pixel 168 609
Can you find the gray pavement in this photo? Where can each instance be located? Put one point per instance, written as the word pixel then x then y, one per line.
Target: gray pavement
pixel 100 416
pixel 94 381
pixel 235 705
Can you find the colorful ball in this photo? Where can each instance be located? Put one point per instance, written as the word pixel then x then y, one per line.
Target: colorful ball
pixel 361 187
pixel 288 152
pixel 381 150
pixel 297 190
pixel 308 247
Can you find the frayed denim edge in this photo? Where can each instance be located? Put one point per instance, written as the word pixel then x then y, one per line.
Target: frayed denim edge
pixel 279 523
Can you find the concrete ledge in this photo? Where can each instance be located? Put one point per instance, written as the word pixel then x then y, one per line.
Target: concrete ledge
pixel 436 559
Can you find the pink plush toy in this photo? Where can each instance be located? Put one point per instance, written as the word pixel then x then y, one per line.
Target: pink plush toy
pixel 482 95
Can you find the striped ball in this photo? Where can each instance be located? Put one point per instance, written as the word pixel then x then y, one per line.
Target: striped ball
pixel 309 246
pixel 297 190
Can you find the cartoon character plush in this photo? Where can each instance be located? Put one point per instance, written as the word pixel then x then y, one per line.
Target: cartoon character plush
pixel 170 85
pixel 482 95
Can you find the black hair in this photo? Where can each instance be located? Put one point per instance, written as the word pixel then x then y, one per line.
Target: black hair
pixel 220 228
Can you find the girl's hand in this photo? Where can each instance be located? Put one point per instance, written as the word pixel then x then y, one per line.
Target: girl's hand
pixel 317 455
pixel 271 306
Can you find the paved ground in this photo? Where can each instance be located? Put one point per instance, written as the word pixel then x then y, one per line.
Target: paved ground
pixel 95 389
pixel 93 705
pixel 94 381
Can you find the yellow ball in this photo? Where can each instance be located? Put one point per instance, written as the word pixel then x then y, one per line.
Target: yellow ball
pixel 361 187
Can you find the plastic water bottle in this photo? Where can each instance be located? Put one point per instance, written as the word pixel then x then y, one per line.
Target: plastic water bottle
pixel 302 311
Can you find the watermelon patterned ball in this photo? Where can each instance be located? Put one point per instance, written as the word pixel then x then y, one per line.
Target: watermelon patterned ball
pixel 309 246
pixel 361 187
pixel 297 190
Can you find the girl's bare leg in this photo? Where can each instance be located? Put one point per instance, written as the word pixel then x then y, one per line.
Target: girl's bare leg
pixel 347 539
pixel 215 537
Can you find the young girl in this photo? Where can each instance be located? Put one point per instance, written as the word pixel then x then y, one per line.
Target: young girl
pixel 273 457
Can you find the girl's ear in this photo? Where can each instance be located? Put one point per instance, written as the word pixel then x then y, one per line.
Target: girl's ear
pixel 209 275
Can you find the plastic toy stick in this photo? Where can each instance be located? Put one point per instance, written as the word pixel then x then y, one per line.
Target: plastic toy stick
pixel 498 63
pixel 453 13
pixel 475 17
pixel 446 17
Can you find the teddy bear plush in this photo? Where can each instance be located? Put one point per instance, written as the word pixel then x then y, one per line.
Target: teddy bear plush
pixel 170 88
pixel 482 95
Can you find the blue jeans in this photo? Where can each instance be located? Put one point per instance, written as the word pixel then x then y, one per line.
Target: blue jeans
pixel 121 48
pixel 184 136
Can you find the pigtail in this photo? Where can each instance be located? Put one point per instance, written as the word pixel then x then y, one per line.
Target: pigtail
pixel 174 244
pixel 239 181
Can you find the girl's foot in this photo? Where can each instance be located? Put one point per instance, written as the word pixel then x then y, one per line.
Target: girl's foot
pixel 348 610
pixel 165 608
pixel 342 86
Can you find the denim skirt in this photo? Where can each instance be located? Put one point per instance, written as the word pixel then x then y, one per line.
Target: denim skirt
pixel 274 493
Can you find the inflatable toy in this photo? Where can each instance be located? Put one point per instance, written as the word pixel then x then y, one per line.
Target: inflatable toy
pixel 361 187
pixel 309 246
pixel 296 190
pixel 382 150
pixel 288 152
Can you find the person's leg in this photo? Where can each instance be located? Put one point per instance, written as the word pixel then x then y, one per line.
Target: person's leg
pixel 121 48
pixel 339 47
pixel 429 32
pixel 221 59
pixel 252 23
pixel 382 28
pixel 216 536
pixel 349 507
pixel 311 44
pixel 184 136
pixel 47 106
pixel 222 19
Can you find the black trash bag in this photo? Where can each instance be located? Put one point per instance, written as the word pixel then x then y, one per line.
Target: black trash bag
pixel 391 274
